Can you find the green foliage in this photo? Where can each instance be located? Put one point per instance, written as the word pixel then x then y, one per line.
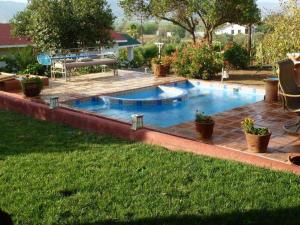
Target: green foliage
pixel 189 13
pixel 89 69
pixel 28 80
pixel 18 60
pixel 133 30
pixel 150 27
pixel 55 24
pixel 197 61
pixel 248 126
pixel 283 35
pixel 201 118
pixel 34 69
pixel 137 61
pixel 169 49
pixel 113 181
pixel 150 52
pixel 237 56
pixel 138 57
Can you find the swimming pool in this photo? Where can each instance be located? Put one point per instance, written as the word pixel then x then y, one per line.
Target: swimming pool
pixel 171 104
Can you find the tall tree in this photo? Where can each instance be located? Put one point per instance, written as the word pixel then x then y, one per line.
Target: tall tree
pixel 178 12
pixel 282 36
pixel 214 13
pixel 250 14
pixel 189 13
pixel 54 24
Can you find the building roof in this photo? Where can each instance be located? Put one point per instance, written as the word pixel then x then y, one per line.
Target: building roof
pixel 118 37
pixel 130 41
pixel 7 40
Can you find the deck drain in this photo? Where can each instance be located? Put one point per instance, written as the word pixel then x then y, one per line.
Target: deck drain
pixel 295 160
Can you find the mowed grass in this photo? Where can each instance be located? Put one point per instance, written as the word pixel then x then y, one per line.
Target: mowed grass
pixel 54 174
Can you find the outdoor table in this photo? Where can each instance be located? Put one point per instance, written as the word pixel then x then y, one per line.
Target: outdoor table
pixel 271 87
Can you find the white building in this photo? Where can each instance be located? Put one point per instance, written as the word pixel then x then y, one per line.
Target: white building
pixel 232 29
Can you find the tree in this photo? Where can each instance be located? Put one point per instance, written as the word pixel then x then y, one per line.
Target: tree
pixel 179 12
pixel 214 13
pixel 249 16
pixel 189 13
pixel 283 35
pixel 54 24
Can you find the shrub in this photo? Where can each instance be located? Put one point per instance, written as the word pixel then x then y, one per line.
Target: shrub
pixel 237 56
pixel 169 49
pixel 35 69
pixel 202 118
pixel 282 35
pixel 18 60
pixel 150 51
pixel 138 57
pixel 248 126
pixel 197 61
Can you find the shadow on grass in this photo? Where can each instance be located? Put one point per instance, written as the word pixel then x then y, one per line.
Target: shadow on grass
pixel 289 216
pixel 5 218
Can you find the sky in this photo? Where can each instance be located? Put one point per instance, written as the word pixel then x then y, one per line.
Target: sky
pixel 265 5
pixel 259 1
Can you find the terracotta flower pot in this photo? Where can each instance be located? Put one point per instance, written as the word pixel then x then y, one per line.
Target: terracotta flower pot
pixel 205 130
pixel 257 143
pixel 158 70
pixel 166 68
pixel 31 89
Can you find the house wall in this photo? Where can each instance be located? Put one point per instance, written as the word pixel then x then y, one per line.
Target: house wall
pixel 233 29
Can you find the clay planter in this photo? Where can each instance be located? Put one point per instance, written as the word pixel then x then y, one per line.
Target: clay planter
pixel 31 89
pixel 205 130
pixel 158 70
pixel 167 68
pixel 257 143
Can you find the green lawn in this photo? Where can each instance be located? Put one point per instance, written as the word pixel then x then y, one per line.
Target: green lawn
pixel 53 174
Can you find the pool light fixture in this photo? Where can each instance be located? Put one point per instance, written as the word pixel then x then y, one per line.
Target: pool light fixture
pixel 54 102
pixel 137 121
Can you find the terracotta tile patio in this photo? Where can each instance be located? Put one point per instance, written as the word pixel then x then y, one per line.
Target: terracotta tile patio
pixel 228 133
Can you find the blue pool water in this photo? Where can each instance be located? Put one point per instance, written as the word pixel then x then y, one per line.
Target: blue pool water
pixel 210 99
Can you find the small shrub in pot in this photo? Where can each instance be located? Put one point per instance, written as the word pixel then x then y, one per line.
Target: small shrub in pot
pixel 204 125
pixel 257 137
pixel 31 86
pixel 158 68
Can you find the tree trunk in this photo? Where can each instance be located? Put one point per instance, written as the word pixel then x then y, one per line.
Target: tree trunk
pixel 194 37
pixel 209 35
pixel 249 45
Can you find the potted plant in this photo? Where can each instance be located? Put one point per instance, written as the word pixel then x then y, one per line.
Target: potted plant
pixel 204 125
pixel 257 137
pixel 31 86
pixel 166 61
pixel 157 67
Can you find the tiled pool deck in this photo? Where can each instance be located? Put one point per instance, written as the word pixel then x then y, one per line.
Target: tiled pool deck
pixel 227 133
pixel 102 83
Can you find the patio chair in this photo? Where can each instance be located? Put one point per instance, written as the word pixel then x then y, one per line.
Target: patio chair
pixel 290 92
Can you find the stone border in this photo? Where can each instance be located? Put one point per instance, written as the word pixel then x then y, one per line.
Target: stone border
pixel 99 124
